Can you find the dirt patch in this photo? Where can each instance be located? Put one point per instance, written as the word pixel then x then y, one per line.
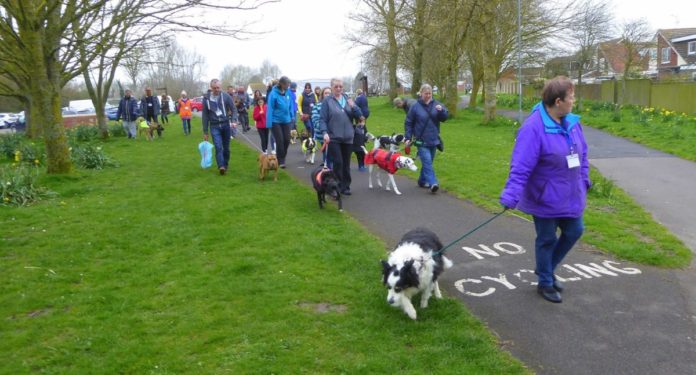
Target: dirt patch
pixel 323 307
pixel 39 312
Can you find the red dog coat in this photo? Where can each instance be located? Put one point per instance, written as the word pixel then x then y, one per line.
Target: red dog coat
pixel 384 159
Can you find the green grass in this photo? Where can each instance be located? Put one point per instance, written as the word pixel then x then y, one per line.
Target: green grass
pixel 160 267
pixel 667 131
pixel 475 165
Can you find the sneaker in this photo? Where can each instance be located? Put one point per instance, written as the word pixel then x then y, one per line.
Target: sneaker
pixel 434 189
pixel 282 166
pixel 424 186
pixel 362 169
pixel 346 192
pixel 223 170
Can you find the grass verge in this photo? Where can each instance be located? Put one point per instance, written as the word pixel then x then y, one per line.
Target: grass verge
pixel 158 267
pixel 475 165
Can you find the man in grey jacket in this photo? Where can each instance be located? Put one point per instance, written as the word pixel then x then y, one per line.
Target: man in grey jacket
pixel 219 115
pixel 336 124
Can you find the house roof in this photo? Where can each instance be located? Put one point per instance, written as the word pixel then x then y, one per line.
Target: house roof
pixel 684 38
pixel 615 54
pixel 674 38
pixel 670 34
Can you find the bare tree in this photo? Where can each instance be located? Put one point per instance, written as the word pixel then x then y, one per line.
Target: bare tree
pixel 591 25
pixel 237 74
pixel 269 70
pixel 635 39
pixel 378 26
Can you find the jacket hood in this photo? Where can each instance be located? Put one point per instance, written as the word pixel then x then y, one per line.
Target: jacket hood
pixel 550 126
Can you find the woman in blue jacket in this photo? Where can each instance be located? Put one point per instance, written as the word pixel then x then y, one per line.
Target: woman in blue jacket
pixel 279 117
pixel 423 123
pixel 549 178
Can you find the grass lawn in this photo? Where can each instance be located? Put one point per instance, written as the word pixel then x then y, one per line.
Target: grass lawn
pixel 475 165
pixel 667 131
pixel 159 267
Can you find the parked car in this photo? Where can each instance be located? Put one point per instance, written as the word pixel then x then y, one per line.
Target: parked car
pixel 8 119
pixel 197 104
pixel 111 112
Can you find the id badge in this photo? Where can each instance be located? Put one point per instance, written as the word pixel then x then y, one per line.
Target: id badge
pixel 218 112
pixel 573 161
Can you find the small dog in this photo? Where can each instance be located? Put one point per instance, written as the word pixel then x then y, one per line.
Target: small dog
pixel 325 182
pixel 309 148
pixel 389 161
pixel 145 129
pixel 293 136
pixel 267 163
pixel 413 267
pixel 391 142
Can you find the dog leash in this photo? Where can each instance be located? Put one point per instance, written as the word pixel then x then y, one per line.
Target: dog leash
pixel 442 251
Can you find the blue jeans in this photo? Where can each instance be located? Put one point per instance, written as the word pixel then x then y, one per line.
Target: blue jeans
pixel 427 174
pixel 221 140
pixel 549 249
pixel 186 123
pixel 310 127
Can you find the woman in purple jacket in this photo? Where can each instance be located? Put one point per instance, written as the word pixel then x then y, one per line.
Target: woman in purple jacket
pixel 549 179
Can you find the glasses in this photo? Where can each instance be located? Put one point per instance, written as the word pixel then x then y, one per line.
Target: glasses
pixel 338 87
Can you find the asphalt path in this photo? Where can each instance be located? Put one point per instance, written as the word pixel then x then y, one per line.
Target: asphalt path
pixel 616 318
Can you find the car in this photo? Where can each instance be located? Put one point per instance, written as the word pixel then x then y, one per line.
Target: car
pixel 8 119
pixel 197 104
pixel 111 112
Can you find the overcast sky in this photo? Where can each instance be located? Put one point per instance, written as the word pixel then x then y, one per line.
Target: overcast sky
pixel 304 37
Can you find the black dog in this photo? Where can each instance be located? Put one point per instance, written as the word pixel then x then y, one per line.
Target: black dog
pixel 325 182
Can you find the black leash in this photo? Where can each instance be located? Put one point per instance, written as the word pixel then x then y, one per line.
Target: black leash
pixel 442 251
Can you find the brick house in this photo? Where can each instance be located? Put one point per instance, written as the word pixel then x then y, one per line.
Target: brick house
pixel 676 52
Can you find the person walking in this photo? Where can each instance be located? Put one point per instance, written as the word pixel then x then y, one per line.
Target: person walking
pixel 336 125
pixel 150 109
pixel 549 179
pixel 164 110
pixel 218 111
pixel 361 102
pixel 423 123
pixel 128 112
pixel 293 112
pixel 306 102
pixel 242 102
pixel 259 115
pixel 404 104
pixel 318 136
pixel 183 107
pixel 279 116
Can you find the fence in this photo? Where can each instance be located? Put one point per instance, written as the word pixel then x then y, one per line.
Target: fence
pixel 673 96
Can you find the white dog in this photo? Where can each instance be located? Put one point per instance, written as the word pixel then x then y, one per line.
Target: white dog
pixel 389 161
pixel 413 267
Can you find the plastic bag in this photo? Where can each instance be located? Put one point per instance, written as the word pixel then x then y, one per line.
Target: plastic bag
pixel 206 150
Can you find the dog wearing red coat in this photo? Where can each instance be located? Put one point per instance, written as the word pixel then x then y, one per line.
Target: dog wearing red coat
pixel 388 161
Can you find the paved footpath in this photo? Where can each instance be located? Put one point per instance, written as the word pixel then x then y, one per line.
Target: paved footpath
pixel 617 317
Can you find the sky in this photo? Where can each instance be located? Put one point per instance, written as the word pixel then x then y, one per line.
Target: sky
pixel 304 36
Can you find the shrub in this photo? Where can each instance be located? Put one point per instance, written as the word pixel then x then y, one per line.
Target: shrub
pixel 84 133
pixel 18 185
pixel 117 130
pixel 10 143
pixel 89 156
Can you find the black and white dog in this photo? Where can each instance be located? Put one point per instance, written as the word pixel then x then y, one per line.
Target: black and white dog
pixel 309 149
pixel 391 142
pixel 413 267
pixel 325 182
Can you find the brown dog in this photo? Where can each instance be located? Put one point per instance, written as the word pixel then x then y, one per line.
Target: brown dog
pixel 293 136
pixel 267 163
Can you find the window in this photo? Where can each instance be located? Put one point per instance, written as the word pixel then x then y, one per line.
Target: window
pixel 665 55
pixel 692 48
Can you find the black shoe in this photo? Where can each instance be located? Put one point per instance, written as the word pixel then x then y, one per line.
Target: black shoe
pixel 346 192
pixel 434 189
pixel 550 294
pixel 556 284
pixel 282 166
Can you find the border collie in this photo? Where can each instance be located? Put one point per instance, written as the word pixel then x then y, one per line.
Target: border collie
pixel 412 267
pixel 391 142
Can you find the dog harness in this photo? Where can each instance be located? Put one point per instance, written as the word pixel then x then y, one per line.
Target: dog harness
pixel 384 159
pixel 318 178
